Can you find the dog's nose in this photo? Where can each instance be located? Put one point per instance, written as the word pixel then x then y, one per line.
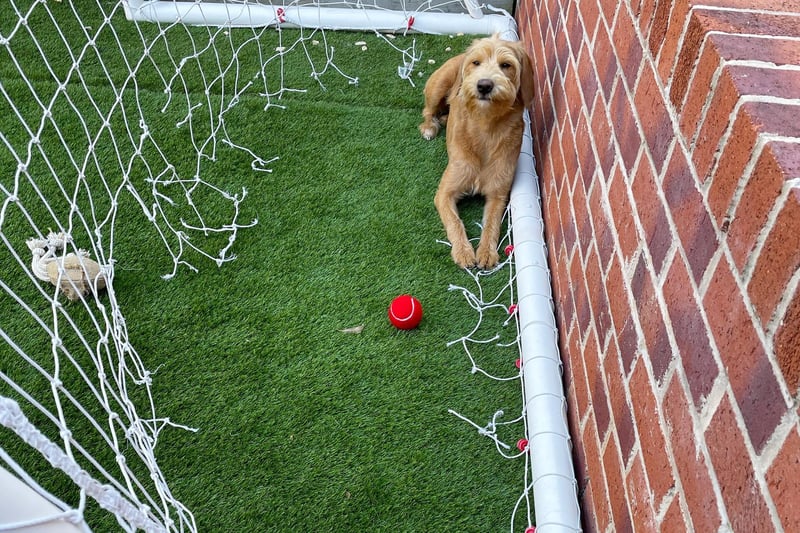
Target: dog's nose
pixel 485 86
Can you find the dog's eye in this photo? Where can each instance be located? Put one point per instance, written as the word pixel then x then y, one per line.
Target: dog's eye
pixel 476 63
pixel 505 66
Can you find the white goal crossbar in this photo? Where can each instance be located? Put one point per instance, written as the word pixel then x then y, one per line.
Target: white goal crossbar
pixel 329 18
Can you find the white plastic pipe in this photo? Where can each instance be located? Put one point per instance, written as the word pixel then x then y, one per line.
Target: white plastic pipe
pixel 25 510
pixel 259 15
pixel 549 445
pixel 554 487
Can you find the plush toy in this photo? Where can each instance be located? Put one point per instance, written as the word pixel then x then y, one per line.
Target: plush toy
pixel 76 275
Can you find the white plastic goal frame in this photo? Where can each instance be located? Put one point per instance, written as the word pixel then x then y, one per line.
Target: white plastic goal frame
pixel 550 449
pixel 553 479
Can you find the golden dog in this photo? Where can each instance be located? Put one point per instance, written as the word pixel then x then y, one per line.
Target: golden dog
pixel 480 96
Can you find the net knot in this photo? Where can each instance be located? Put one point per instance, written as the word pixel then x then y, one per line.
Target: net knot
pixel 73 516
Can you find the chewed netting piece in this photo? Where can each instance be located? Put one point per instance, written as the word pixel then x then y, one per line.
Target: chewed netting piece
pixel 492 299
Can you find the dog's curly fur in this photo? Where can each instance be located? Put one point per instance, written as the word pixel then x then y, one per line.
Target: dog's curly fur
pixel 480 96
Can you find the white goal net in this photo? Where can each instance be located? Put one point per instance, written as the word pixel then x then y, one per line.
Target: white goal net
pixel 88 91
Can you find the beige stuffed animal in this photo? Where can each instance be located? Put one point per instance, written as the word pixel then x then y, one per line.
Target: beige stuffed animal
pixel 75 274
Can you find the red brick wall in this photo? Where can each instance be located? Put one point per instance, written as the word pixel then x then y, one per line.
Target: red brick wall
pixel 667 138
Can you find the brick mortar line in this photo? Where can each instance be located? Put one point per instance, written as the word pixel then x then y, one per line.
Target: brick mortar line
pixel 673 65
pixel 617 148
pixel 762 142
pixel 662 425
pixel 672 493
pixel 584 420
pixel 711 402
pixel 760 333
pixel 697 290
pixel 701 417
pixel 722 388
pixel 672 254
pixel 788 424
pixel 709 96
pixel 759 470
pixel 754 36
pixel 569 189
pixel 680 45
pixel 771 327
pixel 613 20
pixel 721 66
pixel 548 79
pixel 627 271
pixel 704 187
pixel 763 65
pixel 704 7
pixel 707 411
pixel 602 20
pixel 700 423
pixel 715 78
pixel 681 143
pixel 678 137
pixel 723 63
pixel 674 116
pixel 741 185
pixel 602 448
pixel 746 99
pixel 643 157
pixel 675 370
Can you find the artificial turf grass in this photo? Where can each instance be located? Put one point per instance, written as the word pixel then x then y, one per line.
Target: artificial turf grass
pixel 301 426
pixel 356 434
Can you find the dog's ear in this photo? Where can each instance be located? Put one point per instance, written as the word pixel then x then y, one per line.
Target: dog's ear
pixel 525 93
pixel 458 76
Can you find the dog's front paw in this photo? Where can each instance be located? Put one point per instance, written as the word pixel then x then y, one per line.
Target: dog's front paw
pixel 487 257
pixel 429 129
pixel 464 256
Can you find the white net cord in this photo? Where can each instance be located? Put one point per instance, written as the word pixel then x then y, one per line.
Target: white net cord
pixel 493 301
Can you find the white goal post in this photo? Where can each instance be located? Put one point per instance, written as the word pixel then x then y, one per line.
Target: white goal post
pixel 23 507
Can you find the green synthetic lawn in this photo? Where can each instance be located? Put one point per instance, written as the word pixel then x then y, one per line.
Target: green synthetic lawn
pixel 301 427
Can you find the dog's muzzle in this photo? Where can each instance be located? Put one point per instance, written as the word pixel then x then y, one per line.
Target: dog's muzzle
pixel 485 88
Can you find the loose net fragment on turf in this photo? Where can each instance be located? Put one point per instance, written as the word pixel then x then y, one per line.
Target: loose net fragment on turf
pixel 86 98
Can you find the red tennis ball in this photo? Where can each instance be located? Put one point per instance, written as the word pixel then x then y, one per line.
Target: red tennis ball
pixel 405 312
